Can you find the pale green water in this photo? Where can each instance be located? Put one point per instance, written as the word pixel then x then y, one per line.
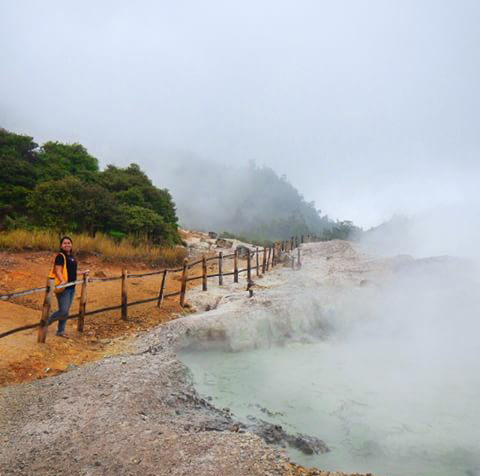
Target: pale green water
pixel 377 407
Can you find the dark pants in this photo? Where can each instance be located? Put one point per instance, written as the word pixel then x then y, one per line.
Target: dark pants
pixel 65 300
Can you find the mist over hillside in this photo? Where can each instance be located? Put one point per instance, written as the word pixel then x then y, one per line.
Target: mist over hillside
pixel 252 202
pixel 448 230
pixel 249 200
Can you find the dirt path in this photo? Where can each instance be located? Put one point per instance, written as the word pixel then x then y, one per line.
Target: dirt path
pixel 23 359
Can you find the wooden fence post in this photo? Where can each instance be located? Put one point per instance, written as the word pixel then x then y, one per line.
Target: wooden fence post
pixel 220 268
pixel 296 242
pixel 273 255
pixel 183 289
pixel 204 273
pixel 162 288
pixel 299 262
pixel 235 266
pixel 302 239
pixel 257 262
pixel 83 304
pixel 249 267
pixel 47 303
pixel 293 262
pixel 124 295
pixel 291 243
pixel 268 257
pixel 264 264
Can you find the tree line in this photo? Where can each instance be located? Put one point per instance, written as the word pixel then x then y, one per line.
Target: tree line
pixel 252 203
pixel 60 186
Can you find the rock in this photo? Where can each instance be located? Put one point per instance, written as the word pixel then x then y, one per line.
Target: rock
pixel 99 274
pixel 223 243
pixel 275 434
pixel 212 234
pixel 268 412
pixel 242 251
pixel 282 257
pixel 201 245
pixel 308 444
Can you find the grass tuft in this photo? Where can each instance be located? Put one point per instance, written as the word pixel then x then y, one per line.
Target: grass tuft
pixel 128 249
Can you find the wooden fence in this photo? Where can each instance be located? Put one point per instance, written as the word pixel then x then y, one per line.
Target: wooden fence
pixel 254 264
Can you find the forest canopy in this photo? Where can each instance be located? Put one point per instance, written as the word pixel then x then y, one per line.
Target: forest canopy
pixel 249 202
pixel 60 186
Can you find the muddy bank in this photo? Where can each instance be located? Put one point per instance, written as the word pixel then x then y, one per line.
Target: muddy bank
pixel 138 414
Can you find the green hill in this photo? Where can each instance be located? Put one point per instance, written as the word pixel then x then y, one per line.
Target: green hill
pixel 60 186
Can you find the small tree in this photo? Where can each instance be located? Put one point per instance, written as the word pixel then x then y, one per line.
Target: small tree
pixel 56 161
pixel 53 204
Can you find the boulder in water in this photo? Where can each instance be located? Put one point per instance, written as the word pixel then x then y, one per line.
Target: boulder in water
pixel 275 434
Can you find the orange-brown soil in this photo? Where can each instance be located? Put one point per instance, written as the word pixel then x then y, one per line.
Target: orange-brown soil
pixel 23 359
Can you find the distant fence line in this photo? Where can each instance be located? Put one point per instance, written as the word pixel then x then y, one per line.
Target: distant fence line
pixel 259 266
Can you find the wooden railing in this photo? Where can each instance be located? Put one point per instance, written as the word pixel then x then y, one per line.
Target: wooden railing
pixel 254 264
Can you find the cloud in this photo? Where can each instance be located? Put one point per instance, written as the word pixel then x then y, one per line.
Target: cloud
pixel 358 106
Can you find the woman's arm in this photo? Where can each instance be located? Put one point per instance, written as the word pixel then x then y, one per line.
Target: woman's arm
pixel 59 273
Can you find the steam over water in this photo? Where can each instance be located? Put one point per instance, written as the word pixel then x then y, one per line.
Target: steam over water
pixel 387 374
pixel 369 425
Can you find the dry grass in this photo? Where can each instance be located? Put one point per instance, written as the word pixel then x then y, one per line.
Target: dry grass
pixel 126 250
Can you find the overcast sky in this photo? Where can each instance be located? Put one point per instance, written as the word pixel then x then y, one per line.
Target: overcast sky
pixel 369 107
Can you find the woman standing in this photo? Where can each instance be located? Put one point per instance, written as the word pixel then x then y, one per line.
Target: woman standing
pixel 64 259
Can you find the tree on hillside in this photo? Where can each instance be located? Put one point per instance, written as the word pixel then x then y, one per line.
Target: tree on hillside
pixel 131 186
pixel 55 161
pixel 271 208
pixel 342 230
pixel 60 186
pixel 139 221
pixel 70 204
pixel 253 202
pixel 97 210
pixel 53 204
pixel 118 179
pixel 17 174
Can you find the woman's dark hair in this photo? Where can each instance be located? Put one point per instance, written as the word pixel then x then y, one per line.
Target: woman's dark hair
pixel 65 238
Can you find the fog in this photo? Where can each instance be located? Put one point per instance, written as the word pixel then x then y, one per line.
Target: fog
pixel 377 356
pixel 369 108
pixel 450 230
